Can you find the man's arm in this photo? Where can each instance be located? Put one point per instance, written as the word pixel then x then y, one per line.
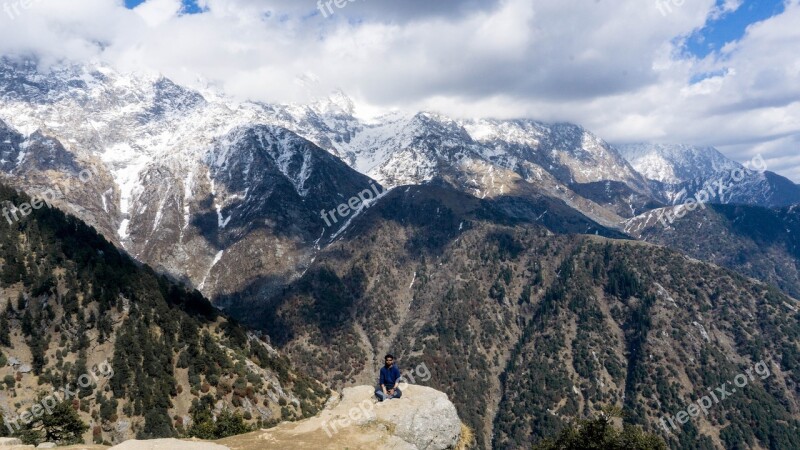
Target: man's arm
pixel 382 381
pixel 397 377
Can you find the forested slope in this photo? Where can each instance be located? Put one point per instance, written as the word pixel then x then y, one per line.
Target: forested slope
pixel 527 327
pixel 70 301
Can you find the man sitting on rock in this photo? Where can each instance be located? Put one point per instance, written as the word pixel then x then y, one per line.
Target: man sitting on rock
pixel 389 379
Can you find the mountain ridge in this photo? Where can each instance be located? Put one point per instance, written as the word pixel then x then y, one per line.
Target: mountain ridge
pixel 678 172
pixel 501 245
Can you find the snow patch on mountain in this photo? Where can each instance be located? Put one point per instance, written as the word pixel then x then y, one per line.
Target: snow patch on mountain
pixel 568 151
pixel 676 163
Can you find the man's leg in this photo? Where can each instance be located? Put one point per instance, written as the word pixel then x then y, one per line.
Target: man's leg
pixel 397 393
pixel 381 396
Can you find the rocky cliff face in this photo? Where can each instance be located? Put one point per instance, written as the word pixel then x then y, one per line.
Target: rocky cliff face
pixel 423 419
pixel 247 217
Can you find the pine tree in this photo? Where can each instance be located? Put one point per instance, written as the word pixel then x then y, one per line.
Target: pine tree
pixel 62 426
pixel 5 337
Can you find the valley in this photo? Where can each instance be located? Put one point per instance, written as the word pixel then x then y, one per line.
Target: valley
pixel 225 258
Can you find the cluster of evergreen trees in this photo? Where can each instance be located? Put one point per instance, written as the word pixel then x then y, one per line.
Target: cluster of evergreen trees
pixel 77 291
pixel 626 278
pixel 600 433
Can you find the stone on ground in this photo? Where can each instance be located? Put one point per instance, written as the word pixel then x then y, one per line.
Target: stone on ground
pixel 168 444
pixel 423 419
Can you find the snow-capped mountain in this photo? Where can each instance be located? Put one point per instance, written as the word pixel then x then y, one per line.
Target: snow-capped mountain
pixel 395 149
pixel 228 195
pixel 205 189
pixel 571 153
pixel 674 164
pixel 678 172
pixel 576 158
pixel 70 181
pixel 483 157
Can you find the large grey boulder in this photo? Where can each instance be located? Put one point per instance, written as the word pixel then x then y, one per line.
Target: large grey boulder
pixel 423 419
pixel 8 442
pixel 167 444
pixel 423 416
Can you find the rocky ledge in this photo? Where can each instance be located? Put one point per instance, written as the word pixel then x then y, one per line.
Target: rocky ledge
pixel 423 419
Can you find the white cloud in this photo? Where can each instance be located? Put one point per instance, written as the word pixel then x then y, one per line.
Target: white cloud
pixel 156 12
pixel 613 67
pixel 728 6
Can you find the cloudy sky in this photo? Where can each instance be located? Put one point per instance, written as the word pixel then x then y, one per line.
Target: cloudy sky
pixel 706 72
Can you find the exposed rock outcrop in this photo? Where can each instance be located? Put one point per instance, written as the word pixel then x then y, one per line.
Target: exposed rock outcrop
pixel 423 419
pixel 168 444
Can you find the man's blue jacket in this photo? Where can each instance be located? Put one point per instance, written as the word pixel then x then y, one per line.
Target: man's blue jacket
pixel 389 376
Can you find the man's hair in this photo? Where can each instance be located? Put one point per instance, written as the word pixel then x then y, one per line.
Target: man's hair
pixel 388 356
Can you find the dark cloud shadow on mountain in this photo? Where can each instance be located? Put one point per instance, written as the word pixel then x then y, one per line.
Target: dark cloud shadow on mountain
pixel 440 213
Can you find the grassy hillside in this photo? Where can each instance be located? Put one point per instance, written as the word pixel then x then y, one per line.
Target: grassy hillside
pixel 70 301
pixel 527 328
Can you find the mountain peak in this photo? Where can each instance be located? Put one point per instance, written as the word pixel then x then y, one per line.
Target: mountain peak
pixel 675 163
pixel 337 103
